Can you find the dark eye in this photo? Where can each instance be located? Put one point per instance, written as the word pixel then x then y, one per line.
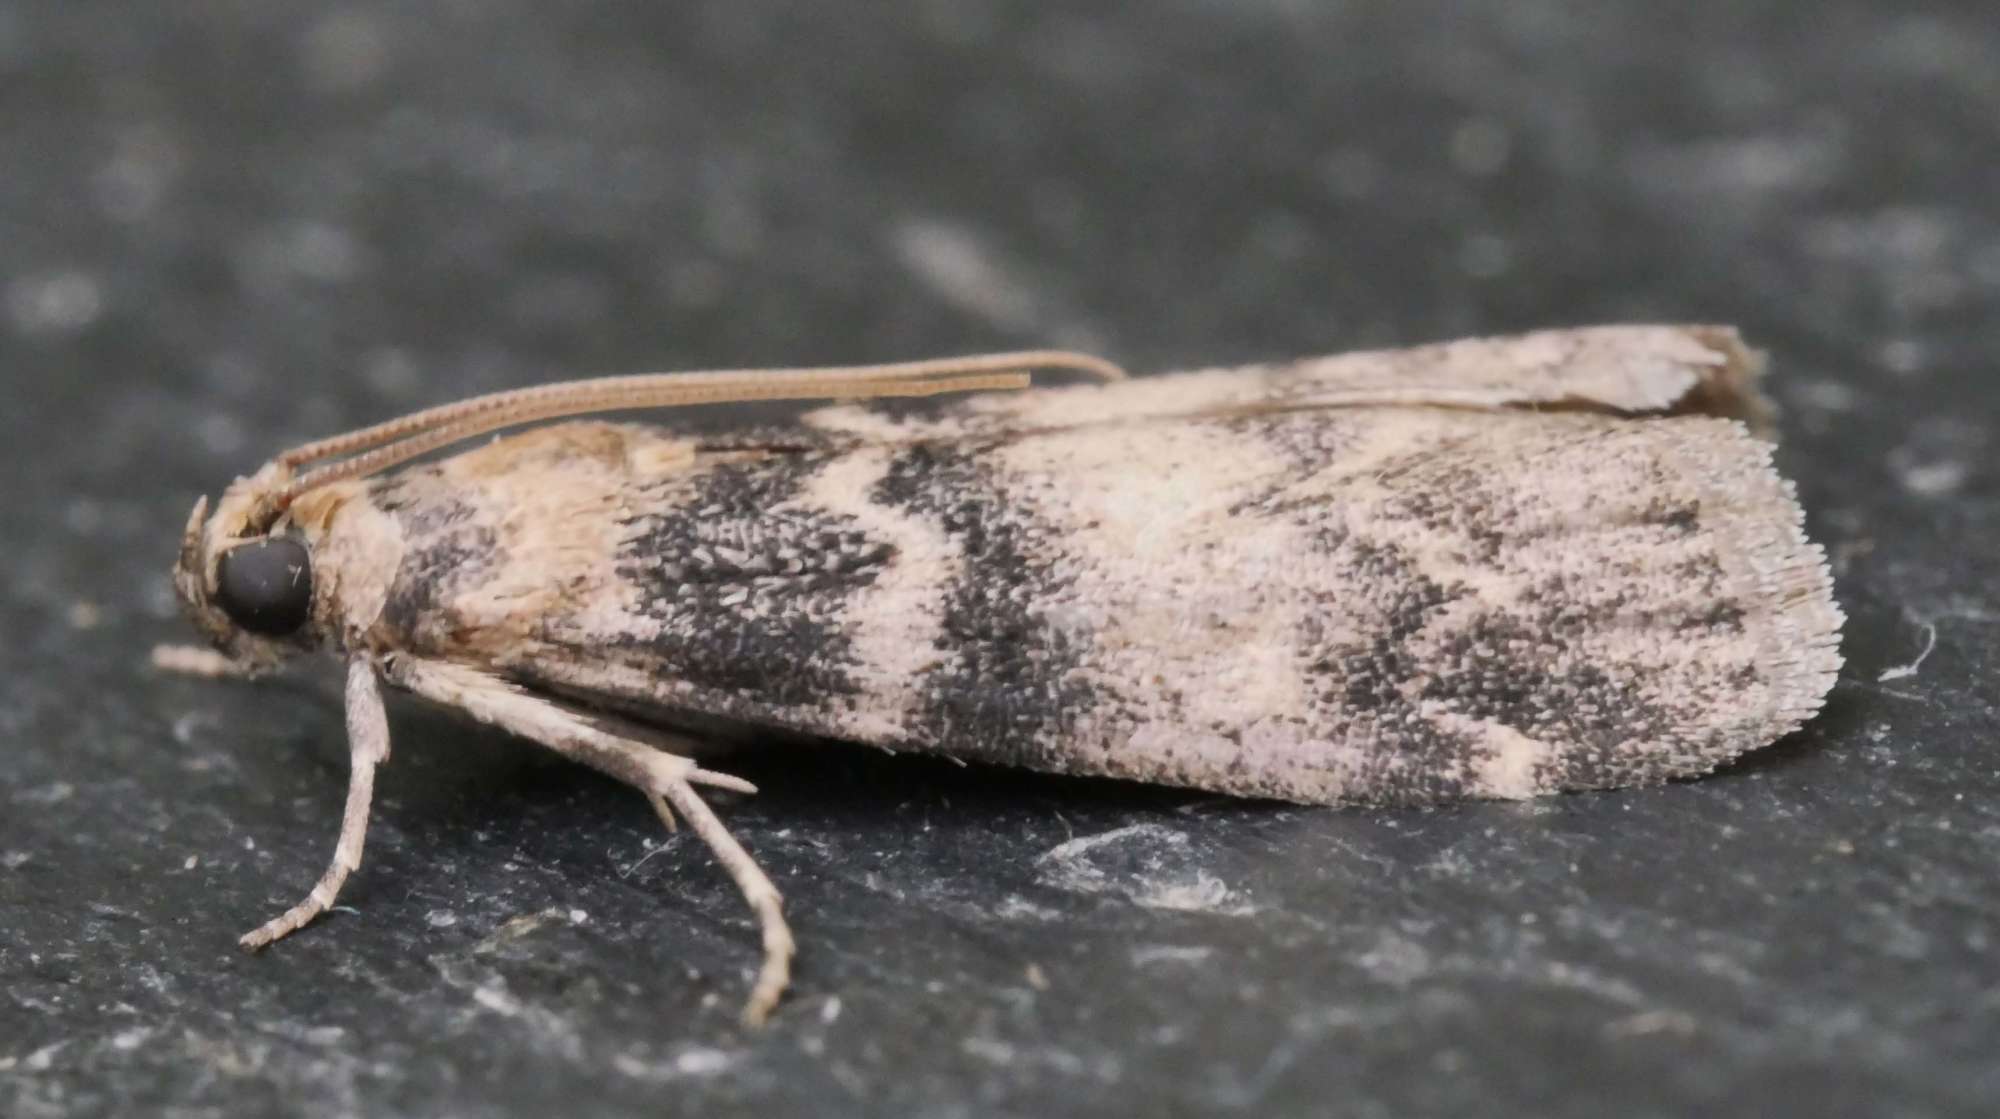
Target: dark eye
pixel 266 586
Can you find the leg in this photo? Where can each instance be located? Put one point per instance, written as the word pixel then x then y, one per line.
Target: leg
pixel 197 660
pixel 487 698
pixel 368 746
pixel 776 973
pixel 665 779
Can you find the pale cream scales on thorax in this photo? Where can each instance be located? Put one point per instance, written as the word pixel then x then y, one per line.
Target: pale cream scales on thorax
pixel 484 556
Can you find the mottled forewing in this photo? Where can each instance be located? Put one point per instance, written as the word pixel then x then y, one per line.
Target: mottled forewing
pixel 1370 603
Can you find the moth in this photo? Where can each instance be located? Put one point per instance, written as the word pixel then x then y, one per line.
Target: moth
pixel 1486 568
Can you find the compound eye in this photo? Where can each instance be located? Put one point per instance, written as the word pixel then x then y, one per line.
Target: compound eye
pixel 266 586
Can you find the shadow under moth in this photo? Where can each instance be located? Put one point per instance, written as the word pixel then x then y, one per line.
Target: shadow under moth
pixel 1487 568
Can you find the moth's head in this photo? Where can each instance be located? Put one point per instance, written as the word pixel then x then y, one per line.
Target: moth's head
pixel 245 576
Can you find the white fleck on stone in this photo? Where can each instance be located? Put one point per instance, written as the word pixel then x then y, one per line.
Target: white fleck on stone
pixel 988 1049
pixel 187 728
pixel 962 271
pixel 43 796
pixel 696 1061
pixel 144 163
pixel 1652 1022
pixel 41 1060
pixel 1147 864
pixel 392 372
pixel 1147 954
pixel 702 1061
pixel 497 1000
pixel 1902 356
pixel 1933 479
pixel 1827 396
pixel 1204 893
pixel 323 252
pixel 441 918
pixel 54 303
pixel 1015 907
pixel 219 434
pixel 1905 671
pixel 1395 959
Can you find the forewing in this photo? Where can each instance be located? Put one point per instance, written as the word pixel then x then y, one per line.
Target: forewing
pixel 1371 603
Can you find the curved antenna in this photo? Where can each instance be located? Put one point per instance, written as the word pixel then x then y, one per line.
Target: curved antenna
pixel 384 445
pixel 633 391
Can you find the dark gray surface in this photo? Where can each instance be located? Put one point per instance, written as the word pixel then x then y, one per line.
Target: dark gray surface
pixel 228 226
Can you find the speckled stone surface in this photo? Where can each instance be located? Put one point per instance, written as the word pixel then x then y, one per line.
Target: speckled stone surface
pixel 225 227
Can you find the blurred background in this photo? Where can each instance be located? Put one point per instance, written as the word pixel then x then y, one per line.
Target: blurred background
pixel 227 226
